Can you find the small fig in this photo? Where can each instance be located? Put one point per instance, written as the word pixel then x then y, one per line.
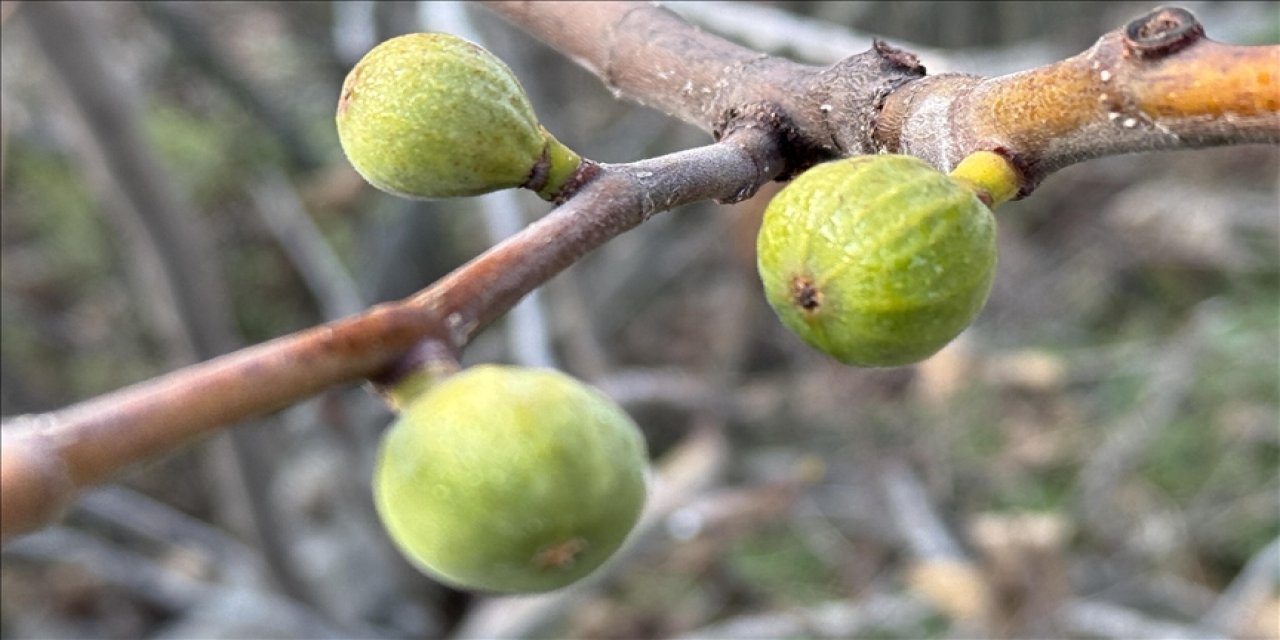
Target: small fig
pixel 509 479
pixel 877 260
pixel 430 115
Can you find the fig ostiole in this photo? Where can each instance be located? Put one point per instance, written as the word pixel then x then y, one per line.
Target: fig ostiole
pixel 877 260
pixel 510 480
pixel 431 115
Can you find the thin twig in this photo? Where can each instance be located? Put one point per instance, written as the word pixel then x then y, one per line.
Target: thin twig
pixel 1258 580
pixel 157 584
pixel 48 457
pixel 129 571
pixel 279 206
pixel 527 334
pixel 939 570
pixel 918 521
pixel 156 522
pixel 1095 619
pixel 903 616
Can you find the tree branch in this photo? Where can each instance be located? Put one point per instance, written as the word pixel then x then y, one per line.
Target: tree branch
pixel 1157 83
pixel 1167 86
pixel 648 54
pixel 45 459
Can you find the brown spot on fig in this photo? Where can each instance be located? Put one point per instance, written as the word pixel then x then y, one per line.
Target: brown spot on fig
pixel 344 100
pixel 805 294
pixel 560 555
pixel 349 89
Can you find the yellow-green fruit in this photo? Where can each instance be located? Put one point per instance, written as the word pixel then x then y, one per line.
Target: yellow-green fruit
pixel 510 479
pixel 877 260
pixel 430 115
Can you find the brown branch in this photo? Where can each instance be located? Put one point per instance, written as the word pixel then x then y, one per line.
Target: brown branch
pixel 648 54
pixel 1157 83
pixel 47 458
pixel 654 57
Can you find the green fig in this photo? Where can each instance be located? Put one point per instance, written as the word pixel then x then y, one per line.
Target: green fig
pixel 510 480
pixel 430 115
pixel 877 260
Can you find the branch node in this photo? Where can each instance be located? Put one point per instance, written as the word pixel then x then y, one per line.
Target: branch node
pixel 767 120
pixel 1162 32
pixel 581 176
pixel 905 61
pixel 851 94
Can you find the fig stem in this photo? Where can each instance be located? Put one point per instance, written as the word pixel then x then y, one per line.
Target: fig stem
pixel 992 177
pixel 563 162
pixel 428 363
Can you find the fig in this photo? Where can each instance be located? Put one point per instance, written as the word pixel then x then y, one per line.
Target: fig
pixel 431 115
pixel 877 260
pixel 510 480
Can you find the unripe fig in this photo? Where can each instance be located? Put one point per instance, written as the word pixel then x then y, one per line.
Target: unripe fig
pixel 430 115
pixel 510 479
pixel 877 260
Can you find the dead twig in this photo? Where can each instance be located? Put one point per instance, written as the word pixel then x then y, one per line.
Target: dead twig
pixel 903 615
pixel 277 203
pixel 1257 581
pixel 1104 620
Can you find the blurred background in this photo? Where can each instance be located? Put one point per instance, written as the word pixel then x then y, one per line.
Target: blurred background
pixel 1096 457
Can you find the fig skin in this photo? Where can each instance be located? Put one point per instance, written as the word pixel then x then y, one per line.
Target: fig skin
pixel 879 261
pixel 431 115
pixel 510 480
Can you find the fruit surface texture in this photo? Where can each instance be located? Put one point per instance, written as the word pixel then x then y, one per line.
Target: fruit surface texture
pixel 877 260
pixel 511 480
pixel 430 115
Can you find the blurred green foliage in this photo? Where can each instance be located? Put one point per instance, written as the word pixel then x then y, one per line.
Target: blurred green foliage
pixel 781 568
